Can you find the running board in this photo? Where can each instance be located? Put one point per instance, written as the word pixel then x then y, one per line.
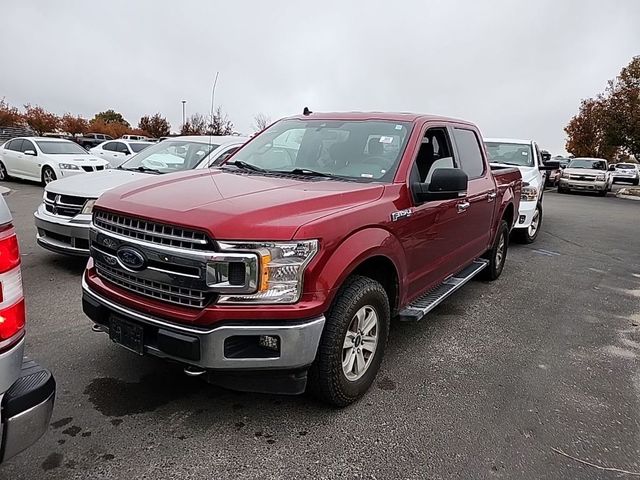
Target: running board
pixel 430 300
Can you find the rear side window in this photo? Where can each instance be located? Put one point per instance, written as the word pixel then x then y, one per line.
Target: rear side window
pixel 469 152
pixel 15 145
pixel 111 146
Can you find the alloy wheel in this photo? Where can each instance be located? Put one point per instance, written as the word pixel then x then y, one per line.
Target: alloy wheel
pixel 360 343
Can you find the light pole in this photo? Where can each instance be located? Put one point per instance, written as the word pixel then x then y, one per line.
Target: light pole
pixel 184 119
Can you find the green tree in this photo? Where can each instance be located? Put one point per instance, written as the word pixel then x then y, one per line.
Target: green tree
pixel 156 125
pixel 196 124
pixel 220 124
pixel 111 116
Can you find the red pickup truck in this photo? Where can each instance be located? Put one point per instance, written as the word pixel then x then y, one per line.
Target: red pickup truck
pixel 285 265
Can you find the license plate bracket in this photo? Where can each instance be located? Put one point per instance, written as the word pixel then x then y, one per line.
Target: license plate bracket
pixel 127 334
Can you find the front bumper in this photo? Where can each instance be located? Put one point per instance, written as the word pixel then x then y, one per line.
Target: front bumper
pixel 597 186
pixel 63 235
pixel 230 346
pixel 26 409
pixel 525 213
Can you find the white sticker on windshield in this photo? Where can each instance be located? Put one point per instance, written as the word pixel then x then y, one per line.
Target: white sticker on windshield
pixel 525 153
pixel 398 127
pixel 366 175
pixel 384 139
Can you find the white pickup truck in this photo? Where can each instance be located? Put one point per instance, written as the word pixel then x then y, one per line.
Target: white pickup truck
pixel 526 156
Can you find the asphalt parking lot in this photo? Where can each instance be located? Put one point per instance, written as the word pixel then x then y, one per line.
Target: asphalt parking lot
pixel 499 382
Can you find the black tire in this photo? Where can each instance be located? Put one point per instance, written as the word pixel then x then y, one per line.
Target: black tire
pixel 327 379
pixel 4 176
pixel 636 182
pixel 46 171
pixel 523 235
pixel 492 271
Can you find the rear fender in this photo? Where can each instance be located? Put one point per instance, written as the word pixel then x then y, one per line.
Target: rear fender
pixel 353 251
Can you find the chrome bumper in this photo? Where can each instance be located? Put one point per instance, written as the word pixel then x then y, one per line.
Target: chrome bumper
pixel 61 235
pixel 298 340
pixel 584 185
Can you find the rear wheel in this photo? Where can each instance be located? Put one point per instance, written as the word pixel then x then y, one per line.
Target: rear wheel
pixel 529 234
pixel 352 344
pixel 3 172
pixel 48 175
pixel 636 182
pixel 497 255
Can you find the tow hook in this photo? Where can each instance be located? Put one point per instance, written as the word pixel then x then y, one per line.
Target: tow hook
pixel 98 328
pixel 193 371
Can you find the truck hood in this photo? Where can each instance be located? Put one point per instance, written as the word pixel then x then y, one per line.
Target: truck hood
pixel 238 205
pixel 530 175
pixel 584 171
pixel 94 184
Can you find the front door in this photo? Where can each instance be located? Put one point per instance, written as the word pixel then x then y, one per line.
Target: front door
pixel 31 162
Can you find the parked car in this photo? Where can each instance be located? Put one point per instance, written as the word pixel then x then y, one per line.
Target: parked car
pixel 586 174
pixel 27 390
pixel 46 159
pixel 286 263
pixel 134 137
pixel 625 172
pixel 90 140
pixel 524 155
pixel 117 151
pixel 63 218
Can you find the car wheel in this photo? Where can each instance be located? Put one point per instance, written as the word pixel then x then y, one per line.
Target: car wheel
pixel 529 234
pixel 497 255
pixel 3 172
pixel 602 193
pixel 352 344
pixel 48 175
pixel 636 182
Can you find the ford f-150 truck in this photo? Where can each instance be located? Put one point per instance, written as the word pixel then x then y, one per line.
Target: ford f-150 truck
pixel 285 265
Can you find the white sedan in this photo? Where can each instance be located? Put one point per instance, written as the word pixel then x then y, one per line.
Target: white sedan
pixel 117 151
pixel 46 159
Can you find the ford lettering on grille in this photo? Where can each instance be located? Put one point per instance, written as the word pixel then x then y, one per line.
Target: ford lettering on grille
pixel 131 258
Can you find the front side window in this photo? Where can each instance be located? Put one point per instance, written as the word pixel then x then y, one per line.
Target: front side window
pixel 138 147
pixel 434 152
pixel 365 150
pixel 27 145
pixel 469 152
pixel 170 156
pixel 122 148
pixel 516 154
pixel 61 148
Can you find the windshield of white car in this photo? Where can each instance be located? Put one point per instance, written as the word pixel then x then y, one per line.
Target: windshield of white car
pixel 517 154
pixel 138 147
pixel 170 156
pixel 60 148
pixel 590 164
pixel 363 150
pixel 625 166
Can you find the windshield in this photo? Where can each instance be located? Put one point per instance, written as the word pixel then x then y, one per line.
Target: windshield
pixel 170 156
pixel 518 154
pixel 61 148
pixel 366 150
pixel 137 147
pixel 588 163
pixel 625 166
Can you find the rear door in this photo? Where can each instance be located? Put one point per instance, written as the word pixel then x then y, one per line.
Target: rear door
pixel 110 152
pixel 480 203
pixel 10 156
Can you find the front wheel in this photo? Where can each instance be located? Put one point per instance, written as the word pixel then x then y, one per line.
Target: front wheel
pixel 352 344
pixel 528 235
pixel 48 175
pixel 497 254
pixel 3 172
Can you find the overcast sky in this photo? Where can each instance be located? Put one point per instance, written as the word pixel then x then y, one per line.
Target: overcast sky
pixel 516 68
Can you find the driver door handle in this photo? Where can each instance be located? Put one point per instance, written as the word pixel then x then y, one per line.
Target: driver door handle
pixel 491 196
pixel 462 206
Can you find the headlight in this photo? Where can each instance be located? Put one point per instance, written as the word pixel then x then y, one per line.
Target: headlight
pixel 529 193
pixel 68 166
pixel 600 178
pixel 88 206
pixel 281 270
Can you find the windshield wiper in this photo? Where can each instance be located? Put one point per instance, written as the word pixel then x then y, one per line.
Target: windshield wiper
pixel 306 171
pixel 141 169
pixel 245 166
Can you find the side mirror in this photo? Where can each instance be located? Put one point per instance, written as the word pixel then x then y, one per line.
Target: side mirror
pixel 550 165
pixel 30 152
pixel 446 184
pixel 126 152
pixel 612 168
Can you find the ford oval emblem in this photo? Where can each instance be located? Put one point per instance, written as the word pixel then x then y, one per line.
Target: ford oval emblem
pixel 131 258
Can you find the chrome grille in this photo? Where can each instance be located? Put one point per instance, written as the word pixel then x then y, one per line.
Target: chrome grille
pixel 151 232
pixel 63 205
pixel 157 290
pixel 586 178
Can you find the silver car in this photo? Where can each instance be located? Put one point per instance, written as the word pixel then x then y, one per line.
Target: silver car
pixel 27 391
pixel 64 217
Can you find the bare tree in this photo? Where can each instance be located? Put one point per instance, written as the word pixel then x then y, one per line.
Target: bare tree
pixel 261 121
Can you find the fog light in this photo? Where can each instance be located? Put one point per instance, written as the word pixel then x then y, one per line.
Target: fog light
pixel 270 342
pixel 522 218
